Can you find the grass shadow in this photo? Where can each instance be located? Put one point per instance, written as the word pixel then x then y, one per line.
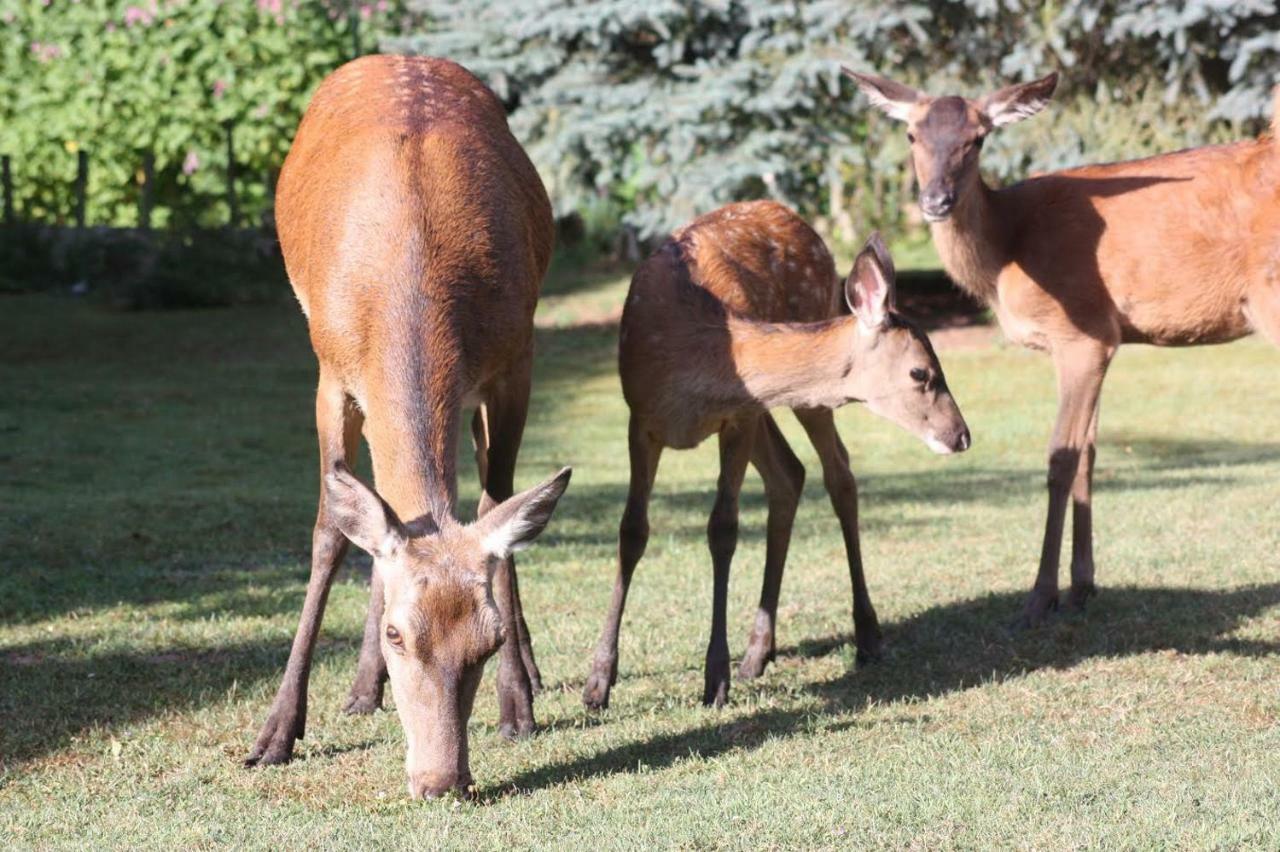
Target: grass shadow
pixel 945 649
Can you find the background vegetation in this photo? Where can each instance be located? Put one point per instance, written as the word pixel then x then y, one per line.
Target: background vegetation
pixel 647 113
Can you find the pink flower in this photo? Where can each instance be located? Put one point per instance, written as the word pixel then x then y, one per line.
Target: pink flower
pixel 366 12
pixel 190 163
pixel 219 88
pixel 382 5
pixel 137 15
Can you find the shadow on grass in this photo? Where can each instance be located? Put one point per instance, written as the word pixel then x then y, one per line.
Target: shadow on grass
pixel 949 648
pixel 53 694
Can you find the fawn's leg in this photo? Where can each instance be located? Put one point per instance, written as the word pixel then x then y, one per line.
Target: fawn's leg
pixel 783 476
pixel 842 488
pixel 633 535
pixel 338 427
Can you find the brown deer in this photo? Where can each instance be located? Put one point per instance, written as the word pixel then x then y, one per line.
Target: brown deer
pixel 1172 250
pixel 739 312
pixel 416 234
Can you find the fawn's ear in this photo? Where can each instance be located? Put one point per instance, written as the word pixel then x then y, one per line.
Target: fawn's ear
pixel 870 288
pixel 514 523
pixel 893 99
pixel 1023 100
pixel 361 514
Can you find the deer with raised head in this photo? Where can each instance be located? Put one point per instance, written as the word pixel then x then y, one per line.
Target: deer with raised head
pixel 1172 250
pixel 416 234
pixel 738 313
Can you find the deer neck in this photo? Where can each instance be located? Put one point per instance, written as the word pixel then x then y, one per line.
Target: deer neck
pixel 795 365
pixel 972 241
pixel 412 427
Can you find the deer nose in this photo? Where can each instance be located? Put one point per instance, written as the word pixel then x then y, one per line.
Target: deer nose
pixel 963 442
pixel 433 786
pixel 936 202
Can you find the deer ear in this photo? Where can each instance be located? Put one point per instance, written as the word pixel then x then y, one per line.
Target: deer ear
pixel 361 514
pixel 870 288
pixel 514 523
pixel 1014 103
pixel 893 99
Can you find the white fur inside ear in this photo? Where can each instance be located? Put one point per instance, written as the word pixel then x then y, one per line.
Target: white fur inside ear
pixel 898 110
pixel 511 537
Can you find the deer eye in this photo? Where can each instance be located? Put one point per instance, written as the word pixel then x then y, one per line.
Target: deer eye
pixel 919 374
pixel 911 138
pixel 977 143
pixel 394 637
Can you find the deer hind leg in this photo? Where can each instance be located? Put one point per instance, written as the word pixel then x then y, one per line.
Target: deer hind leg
pixel 842 487
pixel 722 537
pixel 783 476
pixel 338 426
pixel 1081 367
pixel 633 536
pixel 480 436
pixel 506 405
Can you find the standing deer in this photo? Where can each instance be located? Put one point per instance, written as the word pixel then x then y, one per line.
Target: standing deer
pixel 416 234
pixel 738 313
pixel 1172 250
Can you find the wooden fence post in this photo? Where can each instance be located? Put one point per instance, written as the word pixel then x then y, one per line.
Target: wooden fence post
pixel 233 203
pixel 82 185
pixel 6 174
pixel 148 181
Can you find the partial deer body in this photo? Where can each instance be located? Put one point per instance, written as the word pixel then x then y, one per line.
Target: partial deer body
pixel 1173 250
pixel 740 312
pixel 416 234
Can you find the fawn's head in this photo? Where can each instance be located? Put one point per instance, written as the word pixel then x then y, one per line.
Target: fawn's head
pixel 440 622
pixel 897 373
pixel 947 133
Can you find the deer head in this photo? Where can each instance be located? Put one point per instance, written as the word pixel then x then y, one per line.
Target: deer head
pixel 947 133
pixel 898 375
pixel 440 623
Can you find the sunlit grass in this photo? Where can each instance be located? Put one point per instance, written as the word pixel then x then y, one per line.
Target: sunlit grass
pixel 157 486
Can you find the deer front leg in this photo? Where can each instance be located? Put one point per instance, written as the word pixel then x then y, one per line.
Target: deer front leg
pixel 371 670
pixel 505 408
pixel 1081 367
pixel 1082 585
pixel 722 537
pixel 338 424
pixel 633 536
pixel 783 476
pixel 842 488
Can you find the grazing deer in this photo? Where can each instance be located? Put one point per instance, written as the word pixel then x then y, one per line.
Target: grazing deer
pixel 416 234
pixel 738 313
pixel 1173 250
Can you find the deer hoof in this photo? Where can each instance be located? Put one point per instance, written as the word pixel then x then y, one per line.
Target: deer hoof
pixel 1040 605
pixel 275 743
pixel 1079 595
pixel 760 653
pixel 595 695
pixel 362 703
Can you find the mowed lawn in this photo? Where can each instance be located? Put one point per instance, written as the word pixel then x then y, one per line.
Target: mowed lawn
pixel 157 488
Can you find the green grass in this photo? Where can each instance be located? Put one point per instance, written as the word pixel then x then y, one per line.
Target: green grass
pixel 157 486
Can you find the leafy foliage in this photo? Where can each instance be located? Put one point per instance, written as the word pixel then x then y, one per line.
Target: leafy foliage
pixel 670 108
pixel 172 77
